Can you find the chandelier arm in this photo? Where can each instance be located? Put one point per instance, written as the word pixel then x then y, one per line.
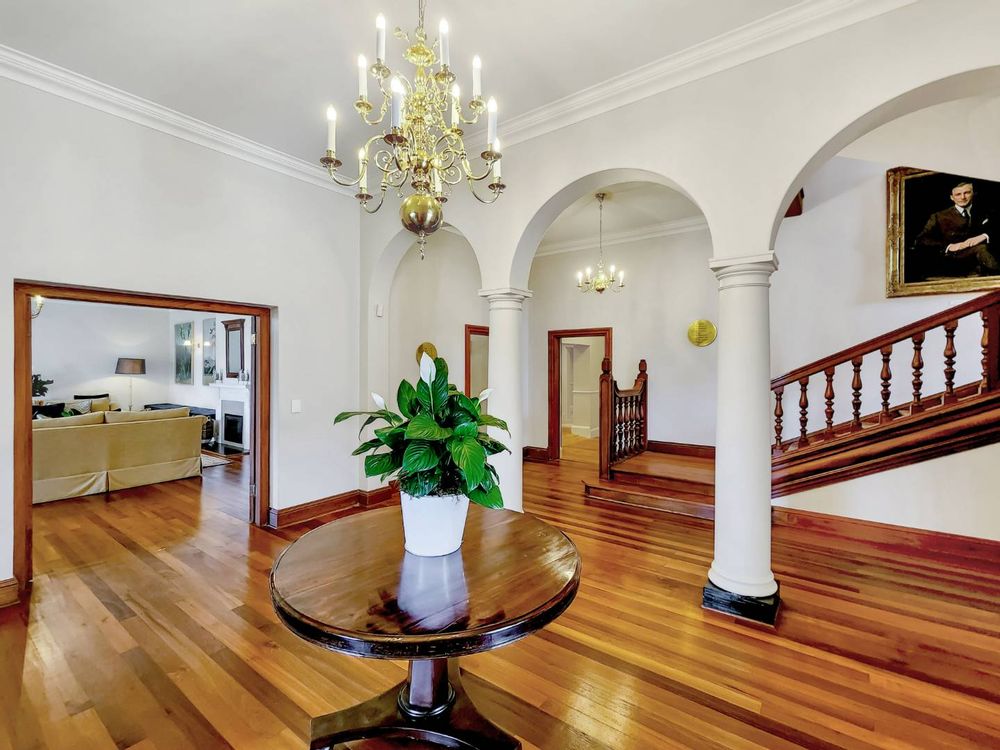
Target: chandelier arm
pixel 478 197
pixel 345 183
pixel 470 175
pixel 381 199
pixel 452 175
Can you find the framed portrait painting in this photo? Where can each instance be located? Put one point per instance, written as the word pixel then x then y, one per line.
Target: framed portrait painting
pixel 182 353
pixel 942 235
pixel 208 351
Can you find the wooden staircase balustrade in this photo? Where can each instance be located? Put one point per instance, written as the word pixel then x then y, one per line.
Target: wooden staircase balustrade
pixel 623 418
pixel 866 443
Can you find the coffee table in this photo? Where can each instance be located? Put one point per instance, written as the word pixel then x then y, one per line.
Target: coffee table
pixel 350 587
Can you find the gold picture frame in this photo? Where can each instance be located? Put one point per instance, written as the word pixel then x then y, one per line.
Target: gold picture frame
pixel 913 266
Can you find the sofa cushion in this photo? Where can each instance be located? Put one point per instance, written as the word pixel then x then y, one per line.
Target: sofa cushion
pixel 77 421
pixel 79 406
pixel 97 403
pixel 96 395
pixel 113 417
pixel 48 410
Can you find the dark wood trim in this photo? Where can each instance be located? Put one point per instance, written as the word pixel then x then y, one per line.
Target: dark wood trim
pixel 281 517
pixel 258 511
pixel 535 454
pixel 681 449
pixel 759 609
pixel 22 438
pixel 908 440
pixel 796 207
pixel 9 591
pixel 470 331
pixel 555 338
pixel 234 325
pixel 380 496
pixel 935 544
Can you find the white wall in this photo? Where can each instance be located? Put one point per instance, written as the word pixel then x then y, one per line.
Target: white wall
pixel 432 300
pixel 579 384
pixel 668 285
pixel 90 199
pixel 77 344
pixel 199 394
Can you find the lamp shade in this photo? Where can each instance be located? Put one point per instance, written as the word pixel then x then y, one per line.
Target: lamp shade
pixel 130 366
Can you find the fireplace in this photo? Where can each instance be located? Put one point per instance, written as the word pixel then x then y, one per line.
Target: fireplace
pixel 232 429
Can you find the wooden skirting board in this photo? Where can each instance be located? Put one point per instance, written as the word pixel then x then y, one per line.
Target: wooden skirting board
pixel 281 517
pixel 536 455
pixel 8 592
pixel 681 449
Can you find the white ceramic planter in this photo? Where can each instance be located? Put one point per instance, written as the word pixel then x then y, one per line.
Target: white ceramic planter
pixel 432 525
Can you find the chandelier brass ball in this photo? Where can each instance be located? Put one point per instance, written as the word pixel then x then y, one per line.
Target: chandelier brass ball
pixel 421 213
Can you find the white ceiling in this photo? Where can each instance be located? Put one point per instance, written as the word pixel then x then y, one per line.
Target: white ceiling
pixel 266 69
pixel 628 207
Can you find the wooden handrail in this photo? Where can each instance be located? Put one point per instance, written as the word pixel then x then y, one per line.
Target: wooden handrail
pixel 914 335
pixel 923 325
pixel 624 418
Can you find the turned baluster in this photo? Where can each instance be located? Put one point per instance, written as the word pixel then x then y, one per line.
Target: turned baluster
pixel 886 383
pixel 778 414
pixel 828 395
pixel 984 344
pixel 856 388
pixel 918 368
pixel 803 412
pixel 949 361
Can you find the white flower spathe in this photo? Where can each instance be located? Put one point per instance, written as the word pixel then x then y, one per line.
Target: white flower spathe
pixel 427 369
pixel 485 394
pixel 379 401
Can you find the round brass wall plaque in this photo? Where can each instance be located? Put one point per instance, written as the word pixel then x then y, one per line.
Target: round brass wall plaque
pixel 702 332
pixel 428 347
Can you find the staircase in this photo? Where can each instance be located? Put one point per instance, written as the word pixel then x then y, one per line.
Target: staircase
pixel 836 439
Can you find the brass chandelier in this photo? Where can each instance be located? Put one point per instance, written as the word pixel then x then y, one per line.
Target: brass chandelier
pixel 604 278
pixel 417 145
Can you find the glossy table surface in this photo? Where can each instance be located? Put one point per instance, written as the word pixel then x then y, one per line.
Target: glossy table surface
pixel 351 587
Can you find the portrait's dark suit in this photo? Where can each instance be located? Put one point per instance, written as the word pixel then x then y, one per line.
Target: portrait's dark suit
pixel 950 226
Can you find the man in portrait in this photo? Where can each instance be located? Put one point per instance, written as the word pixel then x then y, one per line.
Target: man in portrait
pixel 955 242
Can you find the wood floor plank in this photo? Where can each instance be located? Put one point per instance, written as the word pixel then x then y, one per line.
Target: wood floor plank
pixel 151 628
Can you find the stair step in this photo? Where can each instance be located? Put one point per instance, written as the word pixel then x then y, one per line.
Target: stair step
pixel 683 488
pixel 651 499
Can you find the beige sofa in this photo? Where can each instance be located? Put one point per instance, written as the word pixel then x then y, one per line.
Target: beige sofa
pixel 94 453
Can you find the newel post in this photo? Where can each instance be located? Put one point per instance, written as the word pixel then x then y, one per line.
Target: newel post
pixel 606 436
pixel 644 407
pixel 991 348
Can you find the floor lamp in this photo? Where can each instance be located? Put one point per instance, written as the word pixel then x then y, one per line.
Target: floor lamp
pixel 130 366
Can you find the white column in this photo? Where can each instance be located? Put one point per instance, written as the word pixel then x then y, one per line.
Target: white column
pixel 742 563
pixel 506 308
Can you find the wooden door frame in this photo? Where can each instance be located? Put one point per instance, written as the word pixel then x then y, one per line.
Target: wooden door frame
pixel 260 396
pixel 555 340
pixel 470 331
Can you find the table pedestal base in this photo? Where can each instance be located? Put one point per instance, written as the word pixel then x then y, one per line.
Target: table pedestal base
pixel 430 705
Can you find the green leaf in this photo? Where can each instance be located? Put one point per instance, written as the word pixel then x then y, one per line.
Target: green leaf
pixel 488 499
pixel 469 405
pixel 367 446
pixel 471 459
pixel 423 427
pixel 422 483
pixel 405 397
pixel 390 436
pixel 348 414
pixel 424 395
pixel 490 421
pixel 492 446
pixel 466 429
pixel 380 463
pixel 420 456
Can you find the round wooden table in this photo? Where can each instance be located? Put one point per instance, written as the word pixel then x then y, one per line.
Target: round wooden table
pixel 350 587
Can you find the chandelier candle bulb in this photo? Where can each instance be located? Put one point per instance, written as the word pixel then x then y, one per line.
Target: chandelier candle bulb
pixel 397 101
pixel 362 78
pixel 491 121
pixel 379 38
pixel 445 47
pixel 477 78
pixel 621 278
pixel 331 130
pixel 497 173
pixel 579 278
pixel 362 172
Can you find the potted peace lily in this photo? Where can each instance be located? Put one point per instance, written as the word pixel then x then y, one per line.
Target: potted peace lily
pixel 436 447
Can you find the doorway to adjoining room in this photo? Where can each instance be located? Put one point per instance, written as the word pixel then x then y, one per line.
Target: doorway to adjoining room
pixel 575 358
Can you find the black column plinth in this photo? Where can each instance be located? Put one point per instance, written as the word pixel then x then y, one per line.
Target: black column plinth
pixel 431 706
pixel 762 609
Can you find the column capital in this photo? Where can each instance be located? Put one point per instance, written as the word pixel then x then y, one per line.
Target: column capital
pixel 505 298
pixel 744 270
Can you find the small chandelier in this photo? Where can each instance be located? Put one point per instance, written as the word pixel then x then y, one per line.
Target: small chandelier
pixel 416 143
pixel 587 280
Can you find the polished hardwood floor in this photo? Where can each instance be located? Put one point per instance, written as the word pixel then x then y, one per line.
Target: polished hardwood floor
pixel 578 449
pixel 150 628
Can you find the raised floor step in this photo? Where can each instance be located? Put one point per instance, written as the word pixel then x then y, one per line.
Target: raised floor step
pixel 669 501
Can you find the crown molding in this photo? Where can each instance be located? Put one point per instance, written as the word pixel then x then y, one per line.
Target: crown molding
pixel 649 232
pixel 800 23
pixel 32 71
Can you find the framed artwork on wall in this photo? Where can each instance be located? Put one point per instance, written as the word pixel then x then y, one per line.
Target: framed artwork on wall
pixel 941 236
pixel 208 351
pixel 182 353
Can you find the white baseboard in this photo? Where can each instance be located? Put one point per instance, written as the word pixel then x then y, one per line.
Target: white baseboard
pixel 583 430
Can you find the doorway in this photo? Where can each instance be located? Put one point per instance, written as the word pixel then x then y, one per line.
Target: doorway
pixel 256 382
pixel 477 358
pixel 575 357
